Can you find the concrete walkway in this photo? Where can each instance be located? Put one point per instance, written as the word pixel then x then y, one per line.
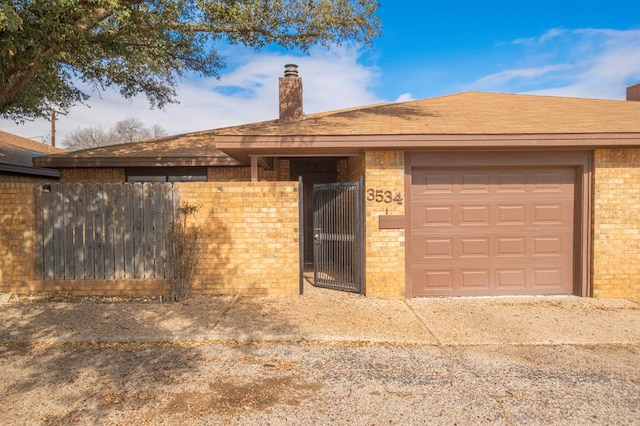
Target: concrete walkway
pixel 329 316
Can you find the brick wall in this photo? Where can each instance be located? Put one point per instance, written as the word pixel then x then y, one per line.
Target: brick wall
pixel 248 242
pixel 16 238
pixel 283 169
pixel 248 236
pixel 90 175
pixel 616 223
pixel 355 168
pixel 385 251
pixel 239 174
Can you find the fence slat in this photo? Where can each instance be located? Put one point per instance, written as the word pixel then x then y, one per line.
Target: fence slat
pixel 118 228
pixel 98 232
pixel 107 217
pixel 78 230
pixel 158 230
pixel 138 231
pixel 168 194
pixel 68 223
pixel 47 221
pixel 149 242
pixel 39 232
pixel 58 231
pixel 129 254
pixel 89 237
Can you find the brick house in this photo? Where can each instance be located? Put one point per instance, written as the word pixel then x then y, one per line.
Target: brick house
pixel 468 194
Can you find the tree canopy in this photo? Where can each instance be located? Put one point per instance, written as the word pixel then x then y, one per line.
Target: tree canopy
pixel 48 47
pixel 130 129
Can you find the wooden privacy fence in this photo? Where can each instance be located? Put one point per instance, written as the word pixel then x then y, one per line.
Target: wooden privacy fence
pixel 103 231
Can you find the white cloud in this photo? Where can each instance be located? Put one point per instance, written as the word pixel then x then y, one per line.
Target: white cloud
pixel 405 97
pixel 510 75
pixel 587 62
pixel 332 79
pixel 549 35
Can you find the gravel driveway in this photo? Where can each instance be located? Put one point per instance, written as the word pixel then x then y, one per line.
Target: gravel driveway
pixel 310 384
pixel 324 358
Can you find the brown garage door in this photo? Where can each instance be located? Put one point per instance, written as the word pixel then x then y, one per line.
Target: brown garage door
pixel 478 231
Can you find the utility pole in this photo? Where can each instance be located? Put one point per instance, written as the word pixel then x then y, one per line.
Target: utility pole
pixel 53 125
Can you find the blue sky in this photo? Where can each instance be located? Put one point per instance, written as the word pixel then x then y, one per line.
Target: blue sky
pixel 571 48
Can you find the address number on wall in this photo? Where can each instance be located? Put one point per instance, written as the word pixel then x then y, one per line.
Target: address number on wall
pixel 382 196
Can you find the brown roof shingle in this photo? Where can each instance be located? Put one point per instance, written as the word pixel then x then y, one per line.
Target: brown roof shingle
pixel 465 114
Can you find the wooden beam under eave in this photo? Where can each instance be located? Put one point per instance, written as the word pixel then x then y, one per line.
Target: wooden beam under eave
pixel 266 163
pixel 254 168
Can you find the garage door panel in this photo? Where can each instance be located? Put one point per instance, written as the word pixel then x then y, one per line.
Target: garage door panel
pixel 474 214
pixel 511 279
pixel 436 248
pixel 551 182
pixel 438 216
pixel 474 248
pixel 498 214
pixel 435 281
pixel 548 277
pixel 433 182
pixel 468 280
pixel 548 246
pixel 475 279
pixel 511 246
pixel 511 214
pixel 508 246
pixel 493 232
pixel 511 182
pixel 473 182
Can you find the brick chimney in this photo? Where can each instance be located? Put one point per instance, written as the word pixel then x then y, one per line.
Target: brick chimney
pixel 290 94
pixel 633 92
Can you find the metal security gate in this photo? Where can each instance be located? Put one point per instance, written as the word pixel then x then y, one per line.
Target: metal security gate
pixel 338 225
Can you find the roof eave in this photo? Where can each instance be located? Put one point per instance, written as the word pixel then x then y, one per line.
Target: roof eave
pixel 250 142
pixel 59 162
pixel 32 171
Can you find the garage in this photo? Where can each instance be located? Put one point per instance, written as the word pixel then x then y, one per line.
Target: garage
pixel 480 228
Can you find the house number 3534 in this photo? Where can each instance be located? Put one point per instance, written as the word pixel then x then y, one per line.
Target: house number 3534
pixel 382 196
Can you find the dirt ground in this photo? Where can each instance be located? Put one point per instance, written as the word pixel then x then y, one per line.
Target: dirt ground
pixel 312 383
pixel 322 358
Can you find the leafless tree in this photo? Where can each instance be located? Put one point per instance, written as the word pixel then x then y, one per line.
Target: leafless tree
pixel 128 130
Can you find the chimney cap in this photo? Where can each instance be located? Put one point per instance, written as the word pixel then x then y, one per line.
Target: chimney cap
pixel 291 70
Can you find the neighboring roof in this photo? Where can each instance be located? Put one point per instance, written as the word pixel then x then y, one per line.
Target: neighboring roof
pixel 474 119
pixel 182 151
pixel 17 153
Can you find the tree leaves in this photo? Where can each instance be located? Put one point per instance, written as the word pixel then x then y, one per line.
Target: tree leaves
pixel 145 47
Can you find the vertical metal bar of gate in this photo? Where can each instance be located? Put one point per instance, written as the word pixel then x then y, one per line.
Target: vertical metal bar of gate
pixel 338 236
pixel 301 233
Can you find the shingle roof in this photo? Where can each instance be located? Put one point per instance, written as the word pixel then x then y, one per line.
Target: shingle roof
pixel 469 113
pixel 466 113
pixel 16 151
pixel 183 150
